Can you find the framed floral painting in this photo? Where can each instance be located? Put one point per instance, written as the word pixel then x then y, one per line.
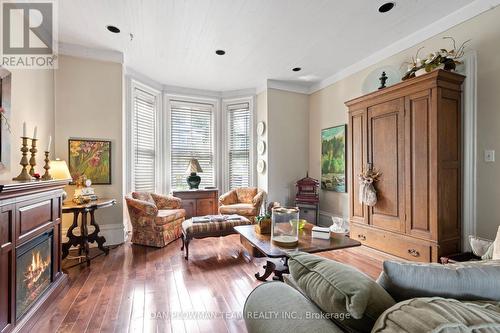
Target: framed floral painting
pixel 91 158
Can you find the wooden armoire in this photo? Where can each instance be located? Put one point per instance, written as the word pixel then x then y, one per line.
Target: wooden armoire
pixel 410 133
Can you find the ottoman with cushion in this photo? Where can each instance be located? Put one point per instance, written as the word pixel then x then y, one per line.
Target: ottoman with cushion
pixel 210 226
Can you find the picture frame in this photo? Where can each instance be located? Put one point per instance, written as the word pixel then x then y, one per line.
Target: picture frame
pixel 92 158
pixel 334 159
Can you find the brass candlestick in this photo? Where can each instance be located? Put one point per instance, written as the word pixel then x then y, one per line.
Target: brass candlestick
pixel 46 175
pixel 33 151
pixel 24 175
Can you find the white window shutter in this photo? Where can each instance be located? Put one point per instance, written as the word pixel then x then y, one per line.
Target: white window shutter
pixel 238 133
pixel 144 141
pixel 191 136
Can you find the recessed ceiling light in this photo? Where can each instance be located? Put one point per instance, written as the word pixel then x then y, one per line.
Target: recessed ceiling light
pixel 386 7
pixel 220 52
pixel 296 69
pixel 113 29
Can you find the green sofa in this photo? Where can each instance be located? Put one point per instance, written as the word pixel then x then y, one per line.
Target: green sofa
pixel 420 298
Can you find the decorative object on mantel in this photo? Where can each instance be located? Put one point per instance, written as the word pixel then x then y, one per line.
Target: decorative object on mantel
pixel 33 152
pixel 383 79
pixel 442 59
pixel 367 192
pixel 333 159
pixel 24 175
pixel 46 175
pixel 91 158
pixel 193 179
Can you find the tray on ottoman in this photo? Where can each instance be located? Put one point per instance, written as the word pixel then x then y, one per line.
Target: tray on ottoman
pixel 210 226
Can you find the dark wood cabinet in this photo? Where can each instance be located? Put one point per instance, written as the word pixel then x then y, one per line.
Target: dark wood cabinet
pixel 28 211
pixel 410 133
pixel 199 202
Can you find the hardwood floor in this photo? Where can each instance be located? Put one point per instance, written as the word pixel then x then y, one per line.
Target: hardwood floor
pixel 142 289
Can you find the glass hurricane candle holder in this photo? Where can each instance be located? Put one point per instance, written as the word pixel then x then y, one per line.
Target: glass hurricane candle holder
pixel 285 226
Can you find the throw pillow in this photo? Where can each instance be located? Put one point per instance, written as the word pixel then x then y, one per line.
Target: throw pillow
pixel 436 314
pixel 340 290
pixel 496 248
pixel 479 245
pixel 472 280
pixel 489 254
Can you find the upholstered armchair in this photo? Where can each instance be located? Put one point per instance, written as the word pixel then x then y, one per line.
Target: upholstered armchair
pixel 244 201
pixel 156 219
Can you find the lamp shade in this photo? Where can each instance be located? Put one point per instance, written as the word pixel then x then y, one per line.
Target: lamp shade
pixel 59 170
pixel 194 166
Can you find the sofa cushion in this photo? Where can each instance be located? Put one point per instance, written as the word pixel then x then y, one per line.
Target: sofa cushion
pixel 439 315
pixel 472 280
pixel 193 229
pixel 489 253
pixel 144 196
pixel 168 215
pixel 246 194
pixel 496 246
pixel 479 246
pixel 338 288
pixel 239 209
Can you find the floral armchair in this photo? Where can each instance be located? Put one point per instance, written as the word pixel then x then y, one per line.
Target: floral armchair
pixel 244 201
pixel 156 219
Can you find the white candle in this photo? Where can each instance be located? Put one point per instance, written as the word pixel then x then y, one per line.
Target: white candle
pixel 50 142
pixel 24 129
pixel 34 132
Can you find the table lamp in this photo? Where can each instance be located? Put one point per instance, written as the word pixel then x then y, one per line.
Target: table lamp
pixel 193 179
pixel 59 170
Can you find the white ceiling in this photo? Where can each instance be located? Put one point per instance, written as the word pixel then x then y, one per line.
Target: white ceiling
pixel 174 40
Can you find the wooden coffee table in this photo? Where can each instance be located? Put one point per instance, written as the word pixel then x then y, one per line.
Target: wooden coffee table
pixel 263 245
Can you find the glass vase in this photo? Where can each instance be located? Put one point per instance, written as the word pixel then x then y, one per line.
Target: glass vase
pixel 285 226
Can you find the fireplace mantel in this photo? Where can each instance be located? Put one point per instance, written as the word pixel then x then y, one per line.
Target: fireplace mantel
pixel 28 210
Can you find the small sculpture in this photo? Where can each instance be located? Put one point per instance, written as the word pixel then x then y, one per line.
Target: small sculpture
pixel 383 80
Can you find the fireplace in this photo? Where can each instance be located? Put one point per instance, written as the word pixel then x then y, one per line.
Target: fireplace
pixel 33 271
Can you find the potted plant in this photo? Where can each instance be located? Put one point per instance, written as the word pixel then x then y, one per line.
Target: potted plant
pixel 442 59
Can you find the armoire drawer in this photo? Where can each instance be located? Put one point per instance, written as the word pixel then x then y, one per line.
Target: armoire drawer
pixel 393 244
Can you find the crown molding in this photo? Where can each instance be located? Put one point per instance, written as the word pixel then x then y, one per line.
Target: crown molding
pixel 300 88
pixel 91 53
pixel 461 15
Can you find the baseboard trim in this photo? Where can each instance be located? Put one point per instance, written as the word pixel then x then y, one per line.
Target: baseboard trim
pixel 114 233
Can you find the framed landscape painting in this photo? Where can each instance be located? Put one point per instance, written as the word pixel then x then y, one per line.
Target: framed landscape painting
pixel 91 158
pixel 333 159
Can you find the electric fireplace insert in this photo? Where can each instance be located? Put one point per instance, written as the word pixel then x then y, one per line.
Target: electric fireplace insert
pixel 33 271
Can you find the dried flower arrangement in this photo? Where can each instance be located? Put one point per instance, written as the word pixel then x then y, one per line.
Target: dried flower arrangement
pixel 444 59
pixel 367 192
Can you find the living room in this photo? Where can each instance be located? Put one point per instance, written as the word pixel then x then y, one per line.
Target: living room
pixel 249 166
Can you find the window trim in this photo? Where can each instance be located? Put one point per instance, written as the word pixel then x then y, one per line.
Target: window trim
pixel 167 130
pixel 133 84
pixel 225 137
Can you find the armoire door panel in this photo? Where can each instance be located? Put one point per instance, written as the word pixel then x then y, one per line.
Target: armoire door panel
pixel 386 155
pixel 357 159
pixel 418 164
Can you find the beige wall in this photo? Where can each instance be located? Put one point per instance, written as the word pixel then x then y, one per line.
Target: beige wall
pixel 89 104
pixel 327 109
pixel 32 100
pixel 288 119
